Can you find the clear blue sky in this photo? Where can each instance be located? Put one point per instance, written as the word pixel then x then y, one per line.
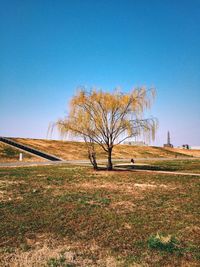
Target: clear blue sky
pixel 48 48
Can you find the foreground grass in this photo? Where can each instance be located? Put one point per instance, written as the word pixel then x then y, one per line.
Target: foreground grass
pixel 72 216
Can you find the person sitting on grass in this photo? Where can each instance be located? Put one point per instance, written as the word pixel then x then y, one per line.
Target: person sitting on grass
pixel 132 162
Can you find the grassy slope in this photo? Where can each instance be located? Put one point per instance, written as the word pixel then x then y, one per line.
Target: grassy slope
pixel 96 218
pixel 189 152
pixel 77 150
pixel 11 154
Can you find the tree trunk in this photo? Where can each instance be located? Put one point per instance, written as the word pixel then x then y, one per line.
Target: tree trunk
pixel 92 158
pixel 109 166
pixel 91 152
pixel 94 162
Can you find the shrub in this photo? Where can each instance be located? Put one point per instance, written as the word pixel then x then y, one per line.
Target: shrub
pixel 166 243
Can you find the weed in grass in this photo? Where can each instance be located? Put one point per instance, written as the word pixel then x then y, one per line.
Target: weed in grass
pixel 7 250
pixel 163 243
pixel 55 180
pixel 132 260
pixel 85 199
pixel 24 247
pixel 59 262
pixel 197 256
pixel 194 250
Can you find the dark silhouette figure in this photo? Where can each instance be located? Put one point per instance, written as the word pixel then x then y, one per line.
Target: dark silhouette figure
pixel 132 162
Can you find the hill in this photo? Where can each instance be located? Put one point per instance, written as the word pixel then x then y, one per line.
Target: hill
pixel 188 152
pixel 11 154
pixel 69 150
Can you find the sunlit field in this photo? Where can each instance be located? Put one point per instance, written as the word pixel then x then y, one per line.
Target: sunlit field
pixel 100 133
pixel 74 216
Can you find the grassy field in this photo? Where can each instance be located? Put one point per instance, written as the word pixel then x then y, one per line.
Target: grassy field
pixel 190 166
pixel 74 216
pixel 11 154
pixel 176 165
pixel 77 150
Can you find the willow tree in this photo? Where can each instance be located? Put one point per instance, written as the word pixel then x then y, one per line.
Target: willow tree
pixel 108 119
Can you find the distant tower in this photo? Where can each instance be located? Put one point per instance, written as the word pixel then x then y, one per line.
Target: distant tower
pixel 168 141
pixel 168 138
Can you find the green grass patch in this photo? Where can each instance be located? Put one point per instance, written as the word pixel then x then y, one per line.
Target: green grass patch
pixel 161 242
pixel 192 166
pixel 10 152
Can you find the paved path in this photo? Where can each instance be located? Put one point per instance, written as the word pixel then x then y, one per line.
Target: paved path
pixel 80 162
pixel 43 163
pixel 86 162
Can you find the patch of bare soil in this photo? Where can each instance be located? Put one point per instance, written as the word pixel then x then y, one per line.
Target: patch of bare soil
pixel 134 189
pixel 5 194
pixel 122 206
pixel 124 188
pixel 5 182
pixel 145 186
pixel 72 253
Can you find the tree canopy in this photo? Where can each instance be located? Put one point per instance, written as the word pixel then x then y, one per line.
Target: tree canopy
pixel 108 119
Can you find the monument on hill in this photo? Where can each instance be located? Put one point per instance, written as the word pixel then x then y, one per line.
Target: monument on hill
pixel 168 141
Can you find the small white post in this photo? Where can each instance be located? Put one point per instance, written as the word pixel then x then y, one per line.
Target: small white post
pixel 20 156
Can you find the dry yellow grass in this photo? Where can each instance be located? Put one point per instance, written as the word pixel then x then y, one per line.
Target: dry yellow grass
pixel 188 152
pixel 41 255
pixel 68 150
pixel 11 154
